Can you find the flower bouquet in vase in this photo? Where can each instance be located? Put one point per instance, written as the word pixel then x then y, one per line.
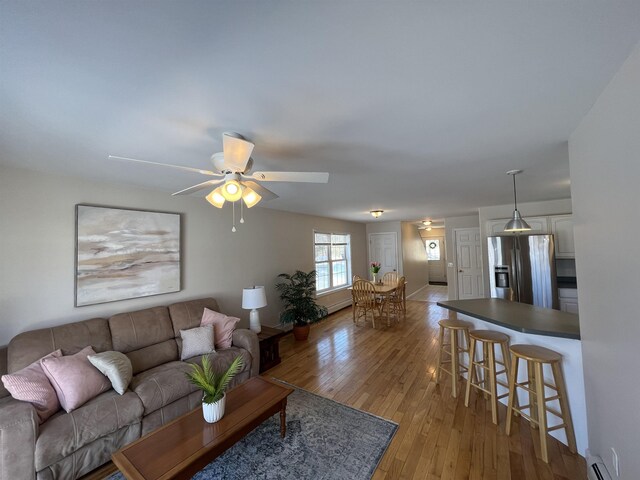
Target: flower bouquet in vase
pixel 375 268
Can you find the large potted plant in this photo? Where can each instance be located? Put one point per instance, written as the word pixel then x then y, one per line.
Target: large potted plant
pixel 213 386
pixel 297 292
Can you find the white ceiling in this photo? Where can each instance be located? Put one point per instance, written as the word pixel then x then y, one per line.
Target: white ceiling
pixel 416 108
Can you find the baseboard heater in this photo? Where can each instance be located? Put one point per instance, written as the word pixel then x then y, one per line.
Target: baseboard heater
pixel 597 469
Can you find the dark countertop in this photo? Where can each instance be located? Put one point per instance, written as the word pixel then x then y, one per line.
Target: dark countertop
pixel 520 317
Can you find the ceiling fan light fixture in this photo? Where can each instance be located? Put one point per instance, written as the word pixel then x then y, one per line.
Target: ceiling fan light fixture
pixel 517 223
pixel 216 198
pixel 250 197
pixel 376 213
pixel 232 191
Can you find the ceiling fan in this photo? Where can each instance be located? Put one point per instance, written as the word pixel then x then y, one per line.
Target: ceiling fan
pixel 233 175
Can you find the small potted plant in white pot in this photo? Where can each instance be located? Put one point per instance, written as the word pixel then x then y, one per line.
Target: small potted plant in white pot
pixel 297 292
pixel 213 386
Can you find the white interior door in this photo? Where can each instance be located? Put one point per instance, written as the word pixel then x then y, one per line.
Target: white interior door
pixel 469 263
pixel 436 256
pixel 383 248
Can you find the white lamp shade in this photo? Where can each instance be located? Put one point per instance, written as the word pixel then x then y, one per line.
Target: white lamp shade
pixel 253 298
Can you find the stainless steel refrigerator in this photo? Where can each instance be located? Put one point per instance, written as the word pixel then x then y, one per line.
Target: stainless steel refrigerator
pixel 523 269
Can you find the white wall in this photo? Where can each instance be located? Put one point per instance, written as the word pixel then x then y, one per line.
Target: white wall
pixel 414 258
pixel 450 224
pixel 37 241
pixel 604 154
pixel 529 209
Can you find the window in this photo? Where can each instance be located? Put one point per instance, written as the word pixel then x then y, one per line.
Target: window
pixel 333 260
pixel 433 249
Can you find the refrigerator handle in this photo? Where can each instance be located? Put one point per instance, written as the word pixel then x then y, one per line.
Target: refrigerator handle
pixel 518 261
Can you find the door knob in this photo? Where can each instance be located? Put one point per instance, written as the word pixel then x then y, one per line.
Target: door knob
pixel 460 271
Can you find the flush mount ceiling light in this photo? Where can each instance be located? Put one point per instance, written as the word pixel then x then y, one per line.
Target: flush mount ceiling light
pixel 376 213
pixel 517 223
pixel 234 176
pixel 426 223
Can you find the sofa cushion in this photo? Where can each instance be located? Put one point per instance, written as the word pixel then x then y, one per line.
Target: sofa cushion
pixel 64 433
pixel 197 341
pixel 74 379
pixel 117 368
pixel 162 385
pixel 186 315
pixel 221 359
pixel 28 347
pixel 145 336
pixel 223 327
pixel 30 384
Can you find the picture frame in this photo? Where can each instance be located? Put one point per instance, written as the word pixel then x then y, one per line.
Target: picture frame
pixel 125 253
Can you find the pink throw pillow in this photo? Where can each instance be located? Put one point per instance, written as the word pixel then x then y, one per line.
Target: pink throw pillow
pixel 31 385
pixel 223 327
pixel 75 379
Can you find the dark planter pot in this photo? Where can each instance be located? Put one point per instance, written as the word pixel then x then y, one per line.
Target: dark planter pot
pixel 301 333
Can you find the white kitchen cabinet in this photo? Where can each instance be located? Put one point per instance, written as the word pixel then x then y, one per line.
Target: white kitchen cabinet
pixel 562 229
pixel 568 299
pixel 537 224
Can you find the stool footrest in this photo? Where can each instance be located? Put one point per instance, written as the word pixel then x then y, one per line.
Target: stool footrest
pixel 556 427
pixel 554 412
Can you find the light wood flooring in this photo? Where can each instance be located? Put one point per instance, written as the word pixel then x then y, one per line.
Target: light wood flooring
pixel 389 372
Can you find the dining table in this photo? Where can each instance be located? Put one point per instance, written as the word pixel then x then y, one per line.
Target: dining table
pixel 385 291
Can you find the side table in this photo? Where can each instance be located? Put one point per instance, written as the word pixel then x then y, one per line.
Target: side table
pixel 269 339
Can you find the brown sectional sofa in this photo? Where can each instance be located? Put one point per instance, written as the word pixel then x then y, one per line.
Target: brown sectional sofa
pixel 69 445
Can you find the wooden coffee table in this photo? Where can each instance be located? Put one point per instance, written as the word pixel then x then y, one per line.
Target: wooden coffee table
pixel 186 445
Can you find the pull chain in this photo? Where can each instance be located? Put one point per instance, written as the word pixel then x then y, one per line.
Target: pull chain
pixel 234 217
pixel 241 212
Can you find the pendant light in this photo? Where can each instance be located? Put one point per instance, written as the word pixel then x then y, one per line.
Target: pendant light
pixel 517 223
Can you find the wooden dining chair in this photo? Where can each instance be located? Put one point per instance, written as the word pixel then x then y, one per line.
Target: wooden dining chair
pixel 390 278
pixel 365 301
pixel 396 300
pixel 355 277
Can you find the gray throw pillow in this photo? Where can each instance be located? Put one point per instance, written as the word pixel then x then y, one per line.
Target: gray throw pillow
pixel 116 366
pixel 197 341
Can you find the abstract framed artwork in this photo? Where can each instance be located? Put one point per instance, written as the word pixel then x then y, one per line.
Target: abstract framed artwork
pixel 125 253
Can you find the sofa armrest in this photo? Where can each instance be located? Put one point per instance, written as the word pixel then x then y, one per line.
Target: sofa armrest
pixel 18 433
pixel 248 340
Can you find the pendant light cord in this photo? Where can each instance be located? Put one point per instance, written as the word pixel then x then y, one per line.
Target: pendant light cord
pixel 515 197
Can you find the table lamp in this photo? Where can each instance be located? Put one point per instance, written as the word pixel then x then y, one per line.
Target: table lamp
pixel 254 298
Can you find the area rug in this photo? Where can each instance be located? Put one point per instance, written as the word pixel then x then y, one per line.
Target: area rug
pixel 325 441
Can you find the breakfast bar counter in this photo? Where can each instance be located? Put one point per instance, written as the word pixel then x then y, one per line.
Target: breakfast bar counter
pixel 520 317
pixel 530 325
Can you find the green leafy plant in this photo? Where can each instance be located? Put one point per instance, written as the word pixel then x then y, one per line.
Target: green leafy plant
pixel 297 292
pixel 212 385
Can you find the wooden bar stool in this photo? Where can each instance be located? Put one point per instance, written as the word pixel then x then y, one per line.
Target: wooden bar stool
pixel 536 357
pixel 489 383
pixel 453 327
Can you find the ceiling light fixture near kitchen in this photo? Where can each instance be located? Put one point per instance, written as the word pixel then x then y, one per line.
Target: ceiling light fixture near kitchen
pixel 426 223
pixel 517 223
pixel 376 213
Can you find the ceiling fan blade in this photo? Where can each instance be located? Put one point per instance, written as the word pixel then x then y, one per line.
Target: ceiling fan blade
pixel 237 152
pixel 180 167
pixel 265 193
pixel 309 177
pixel 200 186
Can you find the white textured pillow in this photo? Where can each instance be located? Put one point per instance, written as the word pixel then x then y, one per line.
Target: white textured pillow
pixel 116 366
pixel 197 341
